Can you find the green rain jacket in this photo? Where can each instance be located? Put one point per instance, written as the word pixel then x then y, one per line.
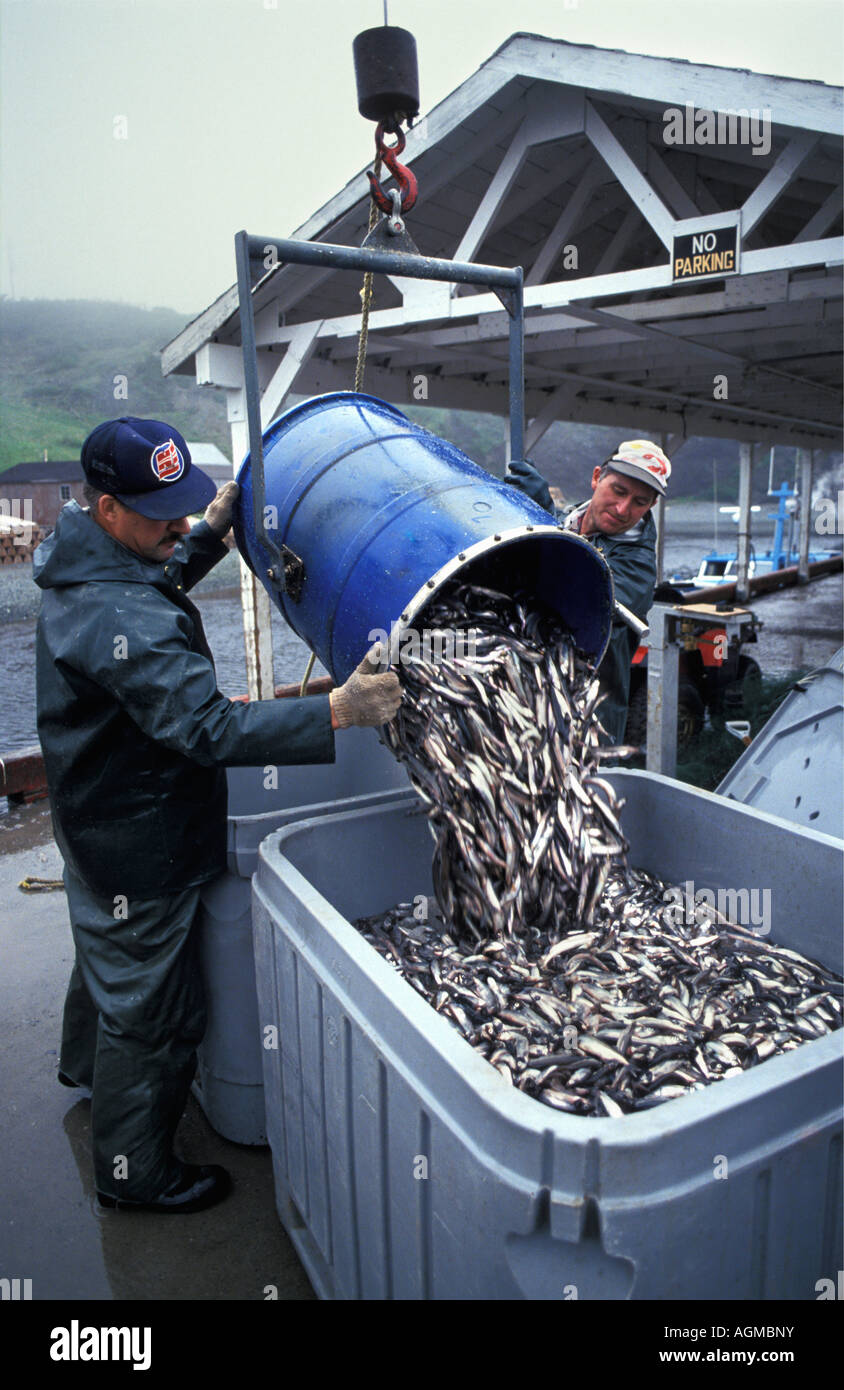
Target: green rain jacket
pixel 134 731
pixel 632 559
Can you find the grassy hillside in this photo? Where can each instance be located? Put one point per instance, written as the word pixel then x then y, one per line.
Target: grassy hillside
pixel 58 363
pixel 59 360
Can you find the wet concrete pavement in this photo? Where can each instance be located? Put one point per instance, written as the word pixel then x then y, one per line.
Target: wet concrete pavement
pixel 51 1228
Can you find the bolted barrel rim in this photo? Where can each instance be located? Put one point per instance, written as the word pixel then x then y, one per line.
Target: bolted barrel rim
pixel 467 559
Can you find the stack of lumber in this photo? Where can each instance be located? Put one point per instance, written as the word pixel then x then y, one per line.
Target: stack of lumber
pixel 18 539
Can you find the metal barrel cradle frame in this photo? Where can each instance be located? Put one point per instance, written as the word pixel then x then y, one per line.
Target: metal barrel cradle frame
pixel 508 285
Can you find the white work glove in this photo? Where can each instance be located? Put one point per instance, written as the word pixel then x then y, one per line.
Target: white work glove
pixel 366 699
pixel 218 513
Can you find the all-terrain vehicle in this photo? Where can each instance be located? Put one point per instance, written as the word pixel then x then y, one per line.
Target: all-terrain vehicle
pixel 716 675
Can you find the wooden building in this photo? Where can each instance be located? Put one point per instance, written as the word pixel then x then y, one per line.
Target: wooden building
pixel 38 491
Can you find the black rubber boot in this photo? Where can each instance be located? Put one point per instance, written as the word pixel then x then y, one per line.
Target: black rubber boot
pixel 194 1189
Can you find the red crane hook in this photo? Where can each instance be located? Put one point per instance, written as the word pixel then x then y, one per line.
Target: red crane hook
pixel 403 176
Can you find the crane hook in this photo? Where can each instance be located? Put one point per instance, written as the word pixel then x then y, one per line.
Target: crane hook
pixel 403 176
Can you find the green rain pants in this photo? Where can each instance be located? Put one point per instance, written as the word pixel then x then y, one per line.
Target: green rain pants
pixel 133 1018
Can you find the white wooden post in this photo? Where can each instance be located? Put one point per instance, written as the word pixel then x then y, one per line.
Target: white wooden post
pixel 663 687
pixel 745 462
pixel 665 442
pixel 806 460
pixel 659 510
pixel 254 599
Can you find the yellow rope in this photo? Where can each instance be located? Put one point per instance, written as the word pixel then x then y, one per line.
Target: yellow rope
pixel 366 299
pixel 303 688
pixel 39 885
pixel 366 295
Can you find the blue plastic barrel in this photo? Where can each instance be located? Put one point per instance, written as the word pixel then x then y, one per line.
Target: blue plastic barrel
pixel 383 513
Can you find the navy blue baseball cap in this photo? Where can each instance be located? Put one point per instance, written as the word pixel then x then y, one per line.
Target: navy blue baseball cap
pixel 146 465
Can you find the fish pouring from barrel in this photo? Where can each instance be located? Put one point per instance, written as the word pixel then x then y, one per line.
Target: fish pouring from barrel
pixel 574 975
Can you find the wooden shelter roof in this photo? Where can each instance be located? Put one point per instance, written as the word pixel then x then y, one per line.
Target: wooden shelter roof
pixel 556 157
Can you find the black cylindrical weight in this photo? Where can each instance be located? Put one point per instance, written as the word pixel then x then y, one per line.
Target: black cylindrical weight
pixel 386 73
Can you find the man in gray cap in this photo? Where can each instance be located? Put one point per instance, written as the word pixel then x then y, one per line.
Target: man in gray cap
pixel 616 519
pixel 136 736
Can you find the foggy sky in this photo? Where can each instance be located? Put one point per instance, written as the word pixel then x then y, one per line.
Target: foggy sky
pixel 242 113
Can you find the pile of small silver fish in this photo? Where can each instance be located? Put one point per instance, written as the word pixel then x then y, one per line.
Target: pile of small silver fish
pixel 565 968
pixel 635 1011
pixel 502 747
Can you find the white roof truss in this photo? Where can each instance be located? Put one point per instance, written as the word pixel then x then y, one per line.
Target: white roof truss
pixel 554 156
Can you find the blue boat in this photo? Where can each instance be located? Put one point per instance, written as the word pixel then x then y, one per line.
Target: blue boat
pixel 721 566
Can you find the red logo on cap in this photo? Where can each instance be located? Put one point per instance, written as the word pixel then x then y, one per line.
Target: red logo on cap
pixel 655 465
pixel 167 462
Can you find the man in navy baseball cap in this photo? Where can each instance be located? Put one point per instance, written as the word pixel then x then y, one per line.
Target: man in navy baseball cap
pixel 147 466
pixel 141 486
pixel 136 739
